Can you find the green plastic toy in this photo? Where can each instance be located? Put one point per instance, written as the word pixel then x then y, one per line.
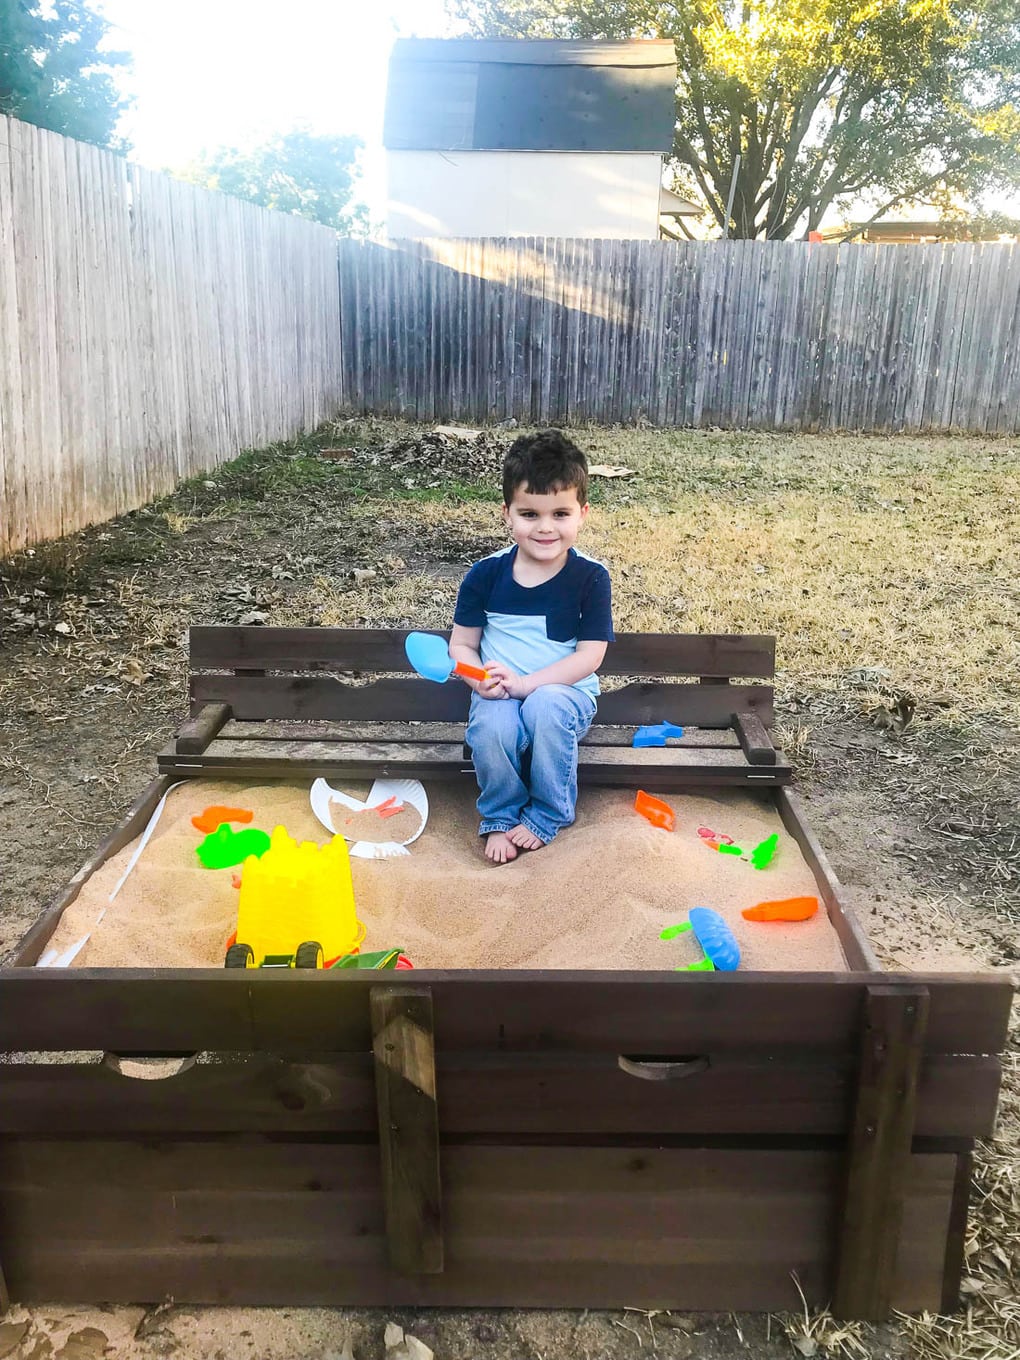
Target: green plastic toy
pixel 725 849
pixel 764 852
pixel 225 847
pixel 381 958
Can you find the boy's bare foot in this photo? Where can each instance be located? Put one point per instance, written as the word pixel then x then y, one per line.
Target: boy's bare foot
pixel 498 848
pixel 523 839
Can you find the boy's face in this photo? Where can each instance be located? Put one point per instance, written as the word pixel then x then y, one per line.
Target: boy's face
pixel 544 527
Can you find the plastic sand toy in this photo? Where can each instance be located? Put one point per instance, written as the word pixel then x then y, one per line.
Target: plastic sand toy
pixel 654 810
pixel 296 908
pixel 789 909
pixel 714 936
pixel 212 817
pixel 656 735
pixel 764 852
pixel 225 847
pixel 713 839
pixel 428 655
pixel 380 959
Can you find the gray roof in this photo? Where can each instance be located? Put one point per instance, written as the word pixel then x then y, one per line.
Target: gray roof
pixel 463 94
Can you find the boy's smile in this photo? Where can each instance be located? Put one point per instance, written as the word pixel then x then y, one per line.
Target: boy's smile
pixel 545 527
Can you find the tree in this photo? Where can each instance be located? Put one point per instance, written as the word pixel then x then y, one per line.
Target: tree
pixel 827 102
pixel 52 72
pixel 302 173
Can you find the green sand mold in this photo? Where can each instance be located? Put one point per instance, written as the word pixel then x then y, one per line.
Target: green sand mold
pixel 225 847
pixel 764 852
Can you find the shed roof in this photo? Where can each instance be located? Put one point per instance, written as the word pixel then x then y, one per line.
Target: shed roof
pixel 461 94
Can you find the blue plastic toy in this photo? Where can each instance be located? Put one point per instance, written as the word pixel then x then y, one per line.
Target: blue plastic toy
pixel 656 736
pixel 715 938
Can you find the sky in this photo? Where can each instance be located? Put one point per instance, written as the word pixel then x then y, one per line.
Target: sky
pixel 210 73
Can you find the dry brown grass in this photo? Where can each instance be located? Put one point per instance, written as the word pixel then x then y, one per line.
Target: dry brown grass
pixel 879 553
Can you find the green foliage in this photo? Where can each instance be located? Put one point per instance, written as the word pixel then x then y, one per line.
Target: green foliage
pixel 53 73
pixel 825 101
pixel 301 173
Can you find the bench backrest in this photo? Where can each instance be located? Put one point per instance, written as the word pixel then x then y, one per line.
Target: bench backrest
pixel 361 674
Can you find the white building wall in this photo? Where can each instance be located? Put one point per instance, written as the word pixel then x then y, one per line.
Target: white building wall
pixel 607 195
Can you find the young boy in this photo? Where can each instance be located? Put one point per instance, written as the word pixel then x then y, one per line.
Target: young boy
pixel 538 617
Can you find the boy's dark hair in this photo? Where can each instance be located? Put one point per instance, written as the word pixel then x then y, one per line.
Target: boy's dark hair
pixel 544 463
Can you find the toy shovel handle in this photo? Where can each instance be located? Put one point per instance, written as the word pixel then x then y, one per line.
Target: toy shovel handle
pixel 470 672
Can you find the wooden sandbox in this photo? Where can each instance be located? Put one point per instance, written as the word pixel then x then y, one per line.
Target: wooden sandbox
pixel 551 1138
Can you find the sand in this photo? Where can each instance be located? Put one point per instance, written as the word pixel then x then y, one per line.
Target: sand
pixel 596 897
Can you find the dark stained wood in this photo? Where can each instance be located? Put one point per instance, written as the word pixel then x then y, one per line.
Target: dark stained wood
pixel 665 767
pixel 371 650
pixel 135 819
pixel 310 697
pixel 196 734
pixel 855 944
pixel 405 1078
pixel 956 1234
pixel 600 734
pixel 755 741
pixel 234 1221
pixel 892 1044
pixel 187 1010
pixel 785 1092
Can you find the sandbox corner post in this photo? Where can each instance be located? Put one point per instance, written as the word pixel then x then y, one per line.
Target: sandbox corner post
pixel 403 1044
pixel 879 1147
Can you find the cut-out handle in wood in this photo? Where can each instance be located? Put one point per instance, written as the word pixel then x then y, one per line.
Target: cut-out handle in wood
pixel 662 1068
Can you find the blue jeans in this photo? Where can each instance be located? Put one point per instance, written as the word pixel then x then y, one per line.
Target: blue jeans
pixel 540 794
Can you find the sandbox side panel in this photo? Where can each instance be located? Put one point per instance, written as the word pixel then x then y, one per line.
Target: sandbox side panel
pixel 784 1095
pixel 246 1222
pixel 159 1010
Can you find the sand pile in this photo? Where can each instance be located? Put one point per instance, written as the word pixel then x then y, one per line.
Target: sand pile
pixel 597 897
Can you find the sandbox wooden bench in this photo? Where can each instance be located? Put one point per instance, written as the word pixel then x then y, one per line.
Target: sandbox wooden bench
pixel 276 702
pixel 489 1137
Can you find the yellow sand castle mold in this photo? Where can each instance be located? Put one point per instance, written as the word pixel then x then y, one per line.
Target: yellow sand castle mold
pixel 296 906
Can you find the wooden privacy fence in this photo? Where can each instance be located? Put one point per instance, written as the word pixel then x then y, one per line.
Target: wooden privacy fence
pixel 762 334
pixel 148 331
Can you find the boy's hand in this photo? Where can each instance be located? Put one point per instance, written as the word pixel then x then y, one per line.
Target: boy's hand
pixel 507 684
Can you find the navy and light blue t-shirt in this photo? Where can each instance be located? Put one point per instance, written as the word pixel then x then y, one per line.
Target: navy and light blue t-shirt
pixel 528 627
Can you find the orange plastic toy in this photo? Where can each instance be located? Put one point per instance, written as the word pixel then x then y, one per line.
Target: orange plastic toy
pixel 654 810
pixel 208 820
pixel 789 909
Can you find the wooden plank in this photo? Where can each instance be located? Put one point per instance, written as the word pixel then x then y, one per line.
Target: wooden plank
pixel 364 650
pixel 600 734
pixel 956 1234
pixel 755 741
pixel 655 770
pixel 892 1043
pixel 405 1075
pixel 243 1221
pixel 395 755
pixel 785 1092
pixel 187 1010
pixel 312 697
pixel 196 734
pixel 854 942
pixel 133 823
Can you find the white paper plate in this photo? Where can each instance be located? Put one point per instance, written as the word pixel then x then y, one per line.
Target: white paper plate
pixel 404 790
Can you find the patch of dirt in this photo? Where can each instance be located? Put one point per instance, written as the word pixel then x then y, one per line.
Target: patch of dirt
pixel 919 824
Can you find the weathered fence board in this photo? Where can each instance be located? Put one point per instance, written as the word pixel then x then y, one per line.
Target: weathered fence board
pixel 149 330
pixel 760 334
